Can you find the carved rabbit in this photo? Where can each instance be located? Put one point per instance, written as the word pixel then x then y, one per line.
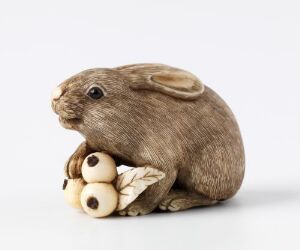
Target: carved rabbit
pixel 158 116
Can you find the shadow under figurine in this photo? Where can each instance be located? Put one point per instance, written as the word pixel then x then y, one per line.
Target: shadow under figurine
pixel 156 116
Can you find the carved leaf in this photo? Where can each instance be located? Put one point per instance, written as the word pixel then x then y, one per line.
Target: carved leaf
pixel 133 182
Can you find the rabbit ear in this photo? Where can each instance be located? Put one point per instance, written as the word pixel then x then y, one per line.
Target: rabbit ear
pixel 168 80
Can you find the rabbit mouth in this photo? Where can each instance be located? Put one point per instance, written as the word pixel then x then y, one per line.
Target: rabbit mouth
pixel 70 123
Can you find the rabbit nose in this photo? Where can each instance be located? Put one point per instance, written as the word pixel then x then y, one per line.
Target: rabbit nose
pixel 56 94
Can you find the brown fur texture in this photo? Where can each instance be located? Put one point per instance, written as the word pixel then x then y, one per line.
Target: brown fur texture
pixel 159 116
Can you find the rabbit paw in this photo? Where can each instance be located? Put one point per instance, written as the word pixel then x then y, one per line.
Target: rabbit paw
pixel 73 166
pixel 171 205
pixel 174 203
pixel 135 209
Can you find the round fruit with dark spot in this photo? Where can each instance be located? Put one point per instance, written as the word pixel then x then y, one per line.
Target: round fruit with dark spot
pixel 72 191
pixel 99 167
pixel 99 199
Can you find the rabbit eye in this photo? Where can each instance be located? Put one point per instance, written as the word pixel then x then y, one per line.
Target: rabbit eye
pixel 95 93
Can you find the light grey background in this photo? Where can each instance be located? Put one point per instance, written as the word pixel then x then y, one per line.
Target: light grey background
pixel 248 51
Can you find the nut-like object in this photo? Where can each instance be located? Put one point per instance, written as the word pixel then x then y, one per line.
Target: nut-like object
pixel 99 199
pixel 99 167
pixel 72 191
